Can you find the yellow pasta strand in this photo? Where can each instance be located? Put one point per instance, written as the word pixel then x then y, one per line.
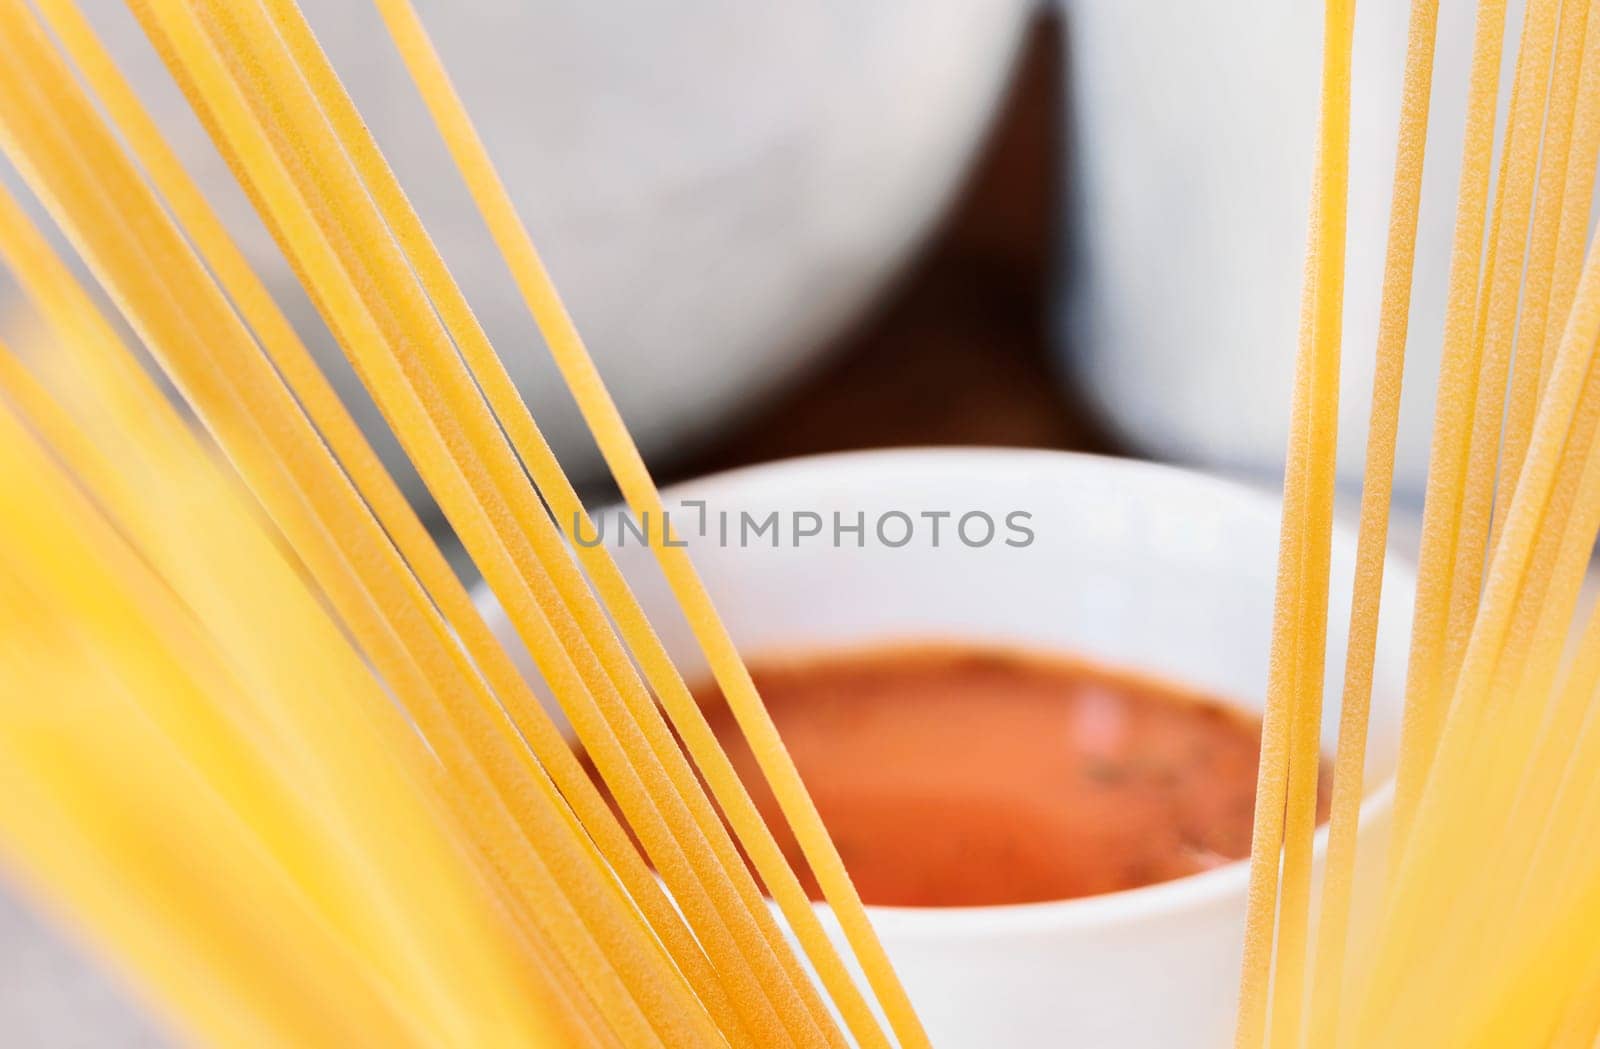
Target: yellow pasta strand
pixel 688 719
pixel 583 914
pixel 640 492
pixel 1581 1024
pixel 1417 902
pixel 1306 722
pixel 1528 351
pixel 1575 197
pixel 503 552
pixel 1497 315
pixel 1530 660
pixel 591 680
pixel 39 535
pixel 1292 718
pixel 1372 538
pixel 395 515
pixel 238 750
pixel 1497 792
pixel 1427 682
pixel 1535 603
pixel 131 904
pixel 143 299
pixel 132 416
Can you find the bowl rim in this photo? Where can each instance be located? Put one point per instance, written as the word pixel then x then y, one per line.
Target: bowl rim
pixel 1191 892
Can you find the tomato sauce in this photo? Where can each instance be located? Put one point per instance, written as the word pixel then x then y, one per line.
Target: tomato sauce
pixel 960 776
pixel 964 775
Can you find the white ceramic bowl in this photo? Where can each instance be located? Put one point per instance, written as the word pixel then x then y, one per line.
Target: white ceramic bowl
pixel 718 188
pixel 1137 564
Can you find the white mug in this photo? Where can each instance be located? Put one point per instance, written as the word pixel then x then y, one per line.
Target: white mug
pixel 1131 563
pixel 1187 182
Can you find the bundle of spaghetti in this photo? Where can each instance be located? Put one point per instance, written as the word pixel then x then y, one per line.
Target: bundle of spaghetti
pixel 1287 780
pixel 701 962
pixel 1373 530
pixel 331 891
pixel 1483 929
pixel 1426 678
pixel 261 467
pixel 374 485
pixel 639 490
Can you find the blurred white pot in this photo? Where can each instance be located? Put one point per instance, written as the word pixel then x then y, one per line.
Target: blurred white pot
pixel 718 187
pixel 1189 180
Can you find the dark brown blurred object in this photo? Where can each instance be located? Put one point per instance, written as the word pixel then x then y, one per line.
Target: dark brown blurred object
pixel 959 353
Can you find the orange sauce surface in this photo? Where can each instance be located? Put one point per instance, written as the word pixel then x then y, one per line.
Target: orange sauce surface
pixel 963 776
